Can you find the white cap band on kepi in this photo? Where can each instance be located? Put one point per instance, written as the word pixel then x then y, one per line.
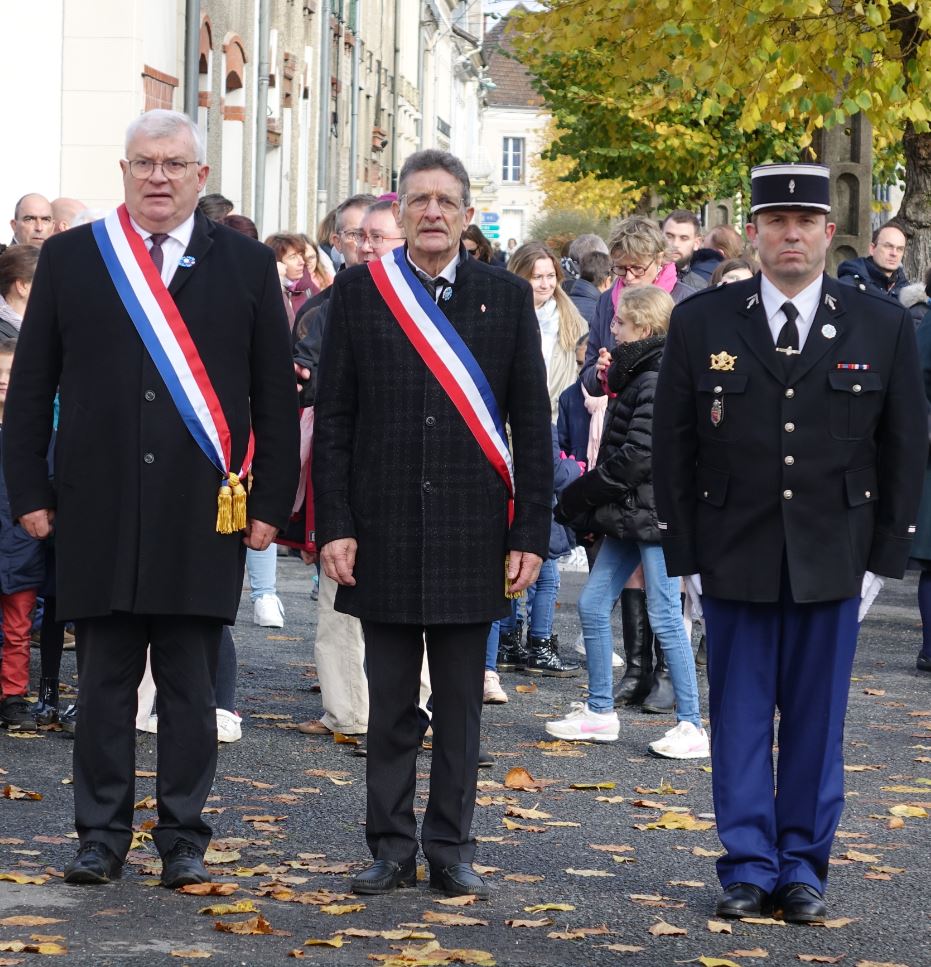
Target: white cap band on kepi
pixel 790 186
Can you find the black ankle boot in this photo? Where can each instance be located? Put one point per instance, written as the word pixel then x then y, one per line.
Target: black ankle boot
pixel 46 709
pixel 638 649
pixel 543 659
pixel 662 697
pixel 512 655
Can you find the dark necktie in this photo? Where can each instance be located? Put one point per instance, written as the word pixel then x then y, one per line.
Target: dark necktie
pixel 158 256
pixel 787 343
pixel 432 285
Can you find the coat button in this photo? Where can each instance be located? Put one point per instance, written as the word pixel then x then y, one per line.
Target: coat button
pixel 150 395
pixel 787 494
pixel 868 494
pixel 790 427
pixel 149 458
pixel 705 494
pixel 719 389
pixel 789 460
pixel 427 486
pixel 790 393
pixel 856 387
pixel 430 421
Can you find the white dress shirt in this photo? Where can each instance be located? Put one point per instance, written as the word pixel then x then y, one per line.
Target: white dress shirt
pixel 172 248
pixel 806 302
pixel 448 273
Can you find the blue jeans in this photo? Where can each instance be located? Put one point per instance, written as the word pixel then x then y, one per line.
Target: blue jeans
pixel 262 567
pixel 491 646
pixel 615 563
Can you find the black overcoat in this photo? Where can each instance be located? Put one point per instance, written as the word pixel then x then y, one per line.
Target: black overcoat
pixel 135 497
pixel 824 466
pixel 395 466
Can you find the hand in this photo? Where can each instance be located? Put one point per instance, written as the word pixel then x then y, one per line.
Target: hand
pixel 38 523
pixel 693 594
pixel 338 559
pixel 872 585
pixel 259 534
pixel 308 558
pixel 523 569
pixel 302 373
pixel 603 362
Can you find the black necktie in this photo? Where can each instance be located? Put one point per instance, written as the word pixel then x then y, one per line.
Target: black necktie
pixel 788 335
pixel 158 256
pixel 432 285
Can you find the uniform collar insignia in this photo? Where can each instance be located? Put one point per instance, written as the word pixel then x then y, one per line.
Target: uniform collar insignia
pixel 754 300
pixel 830 301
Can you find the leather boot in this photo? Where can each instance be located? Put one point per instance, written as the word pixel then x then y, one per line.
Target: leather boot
pixel 638 649
pixel 662 697
pixel 46 708
pixel 512 654
pixel 543 659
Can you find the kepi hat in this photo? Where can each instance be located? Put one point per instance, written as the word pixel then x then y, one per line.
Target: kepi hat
pixel 790 186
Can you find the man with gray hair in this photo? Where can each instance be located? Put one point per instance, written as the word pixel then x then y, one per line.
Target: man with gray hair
pixel 32 221
pixel 578 249
pixel 148 508
pixel 426 354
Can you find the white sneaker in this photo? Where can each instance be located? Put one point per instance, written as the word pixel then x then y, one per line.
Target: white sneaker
pixel 682 742
pixel 582 724
pixel 494 694
pixel 229 726
pixel 268 612
pixel 579 646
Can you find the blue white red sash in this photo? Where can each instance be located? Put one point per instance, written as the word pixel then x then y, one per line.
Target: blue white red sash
pixel 169 343
pixel 447 357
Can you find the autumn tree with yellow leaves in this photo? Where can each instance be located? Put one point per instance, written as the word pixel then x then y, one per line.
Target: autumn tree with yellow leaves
pixel 685 96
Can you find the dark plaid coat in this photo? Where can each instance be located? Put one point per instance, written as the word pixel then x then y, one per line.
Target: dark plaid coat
pixel 395 466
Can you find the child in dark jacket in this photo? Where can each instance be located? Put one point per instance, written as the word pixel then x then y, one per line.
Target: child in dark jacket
pixel 22 571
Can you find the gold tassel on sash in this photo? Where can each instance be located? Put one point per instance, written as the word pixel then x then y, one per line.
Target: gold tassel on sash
pixel 231 506
pixel 508 593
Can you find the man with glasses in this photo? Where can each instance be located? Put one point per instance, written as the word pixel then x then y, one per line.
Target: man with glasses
pixel 32 221
pixel 880 270
pixel 412 475
pixel 145 553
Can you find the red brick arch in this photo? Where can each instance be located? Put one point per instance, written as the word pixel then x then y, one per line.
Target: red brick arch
pixel 235 62
pixel 206 44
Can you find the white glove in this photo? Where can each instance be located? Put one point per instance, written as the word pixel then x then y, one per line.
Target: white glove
pixel 693 594
pixel 872 585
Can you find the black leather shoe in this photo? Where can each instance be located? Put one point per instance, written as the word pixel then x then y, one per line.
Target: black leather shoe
pixel 742 900
pixel 923 663
pixel 459 879
pixel 385 876
pixel 799 903
pixel 183 864
pixel 485 759
pixel 94 863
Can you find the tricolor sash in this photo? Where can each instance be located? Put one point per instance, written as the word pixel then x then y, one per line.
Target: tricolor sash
pixel 169 343
pixel 448 358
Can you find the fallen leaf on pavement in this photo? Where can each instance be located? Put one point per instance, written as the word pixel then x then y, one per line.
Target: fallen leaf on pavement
pixel 545 922
pixel 664 790
pixel 716 962
pixel 701 851
pixel 655 900
pixel 592 785
pixel 896 823
pixel 190 954
pixel 719 926
pixel 755 952
pixel 611 848
pixel 452 919
pixel 340 909
pixel 26 921
pixel 526 689
pixel 763 921
pixel 578 933
pixel 223 909
pixel 214 857
pixel 689 883
pixel 208 889
pixel 621 948
pixel 853 768
pixel 679 821
pixel 526 813
pixel 519 778
pixel 18 947
pixel 512 825
pixel 14 792
pixel 663 929
pixel 874 691
pixel 458 901
pixel 876 963
pixel 341 738
pixel 911 789
pixel 572 872
pixel 334 941
pixel 520 878
pixel 544 907
pixel 611 800
pixel 837 923
pixel 819 958
pixel 432 953
pixel 857 857
pixel 23 878
pixel 909 812
pixel 252 927
pixel 405 934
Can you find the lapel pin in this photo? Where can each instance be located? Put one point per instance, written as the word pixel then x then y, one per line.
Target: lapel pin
pixel 753 300
pixel 830 302
pixel 723 361
pixel 828 331
pixel 187 261
pixel 447 293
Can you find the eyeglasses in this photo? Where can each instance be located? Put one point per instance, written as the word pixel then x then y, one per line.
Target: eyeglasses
pixel 376 238
pixel 143 168
pixel 420 203
pixel 353 235
pixel 637 271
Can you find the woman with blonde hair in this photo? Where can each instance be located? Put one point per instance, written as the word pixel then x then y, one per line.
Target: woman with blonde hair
pixel 561 324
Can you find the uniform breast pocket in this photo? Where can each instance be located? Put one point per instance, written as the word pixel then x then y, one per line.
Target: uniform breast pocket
pixel 722 406
pixel 855 402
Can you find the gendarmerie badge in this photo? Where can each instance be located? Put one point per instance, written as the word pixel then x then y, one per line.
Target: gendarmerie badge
pixel 717 412
pixel 723 361
pixel 828 331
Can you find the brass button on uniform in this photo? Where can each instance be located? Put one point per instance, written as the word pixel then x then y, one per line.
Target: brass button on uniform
pixel 787 494
pixel 790 427
pixel 790 393
pixel 789 460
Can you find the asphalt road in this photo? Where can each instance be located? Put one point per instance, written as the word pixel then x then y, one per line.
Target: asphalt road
pixel 309 796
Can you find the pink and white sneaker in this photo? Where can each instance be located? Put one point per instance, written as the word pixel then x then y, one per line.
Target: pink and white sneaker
pixel 684 741
pixel 584 725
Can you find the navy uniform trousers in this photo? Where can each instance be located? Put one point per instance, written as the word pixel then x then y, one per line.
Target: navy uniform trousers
pixel 795 659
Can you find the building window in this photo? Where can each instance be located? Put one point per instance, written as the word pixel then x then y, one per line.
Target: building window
pixel 512 160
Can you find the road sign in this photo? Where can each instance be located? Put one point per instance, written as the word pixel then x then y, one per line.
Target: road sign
pixel 490 219
pixel 491 234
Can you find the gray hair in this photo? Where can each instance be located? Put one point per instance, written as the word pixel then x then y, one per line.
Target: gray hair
pixel 432 159
pixel 159 123
pixel 584 244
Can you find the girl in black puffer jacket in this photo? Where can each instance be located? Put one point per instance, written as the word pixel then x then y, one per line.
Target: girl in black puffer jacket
pixel 616 499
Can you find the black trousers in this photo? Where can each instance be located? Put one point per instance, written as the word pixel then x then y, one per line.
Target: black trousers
pixel 111 661
pixel 393 656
